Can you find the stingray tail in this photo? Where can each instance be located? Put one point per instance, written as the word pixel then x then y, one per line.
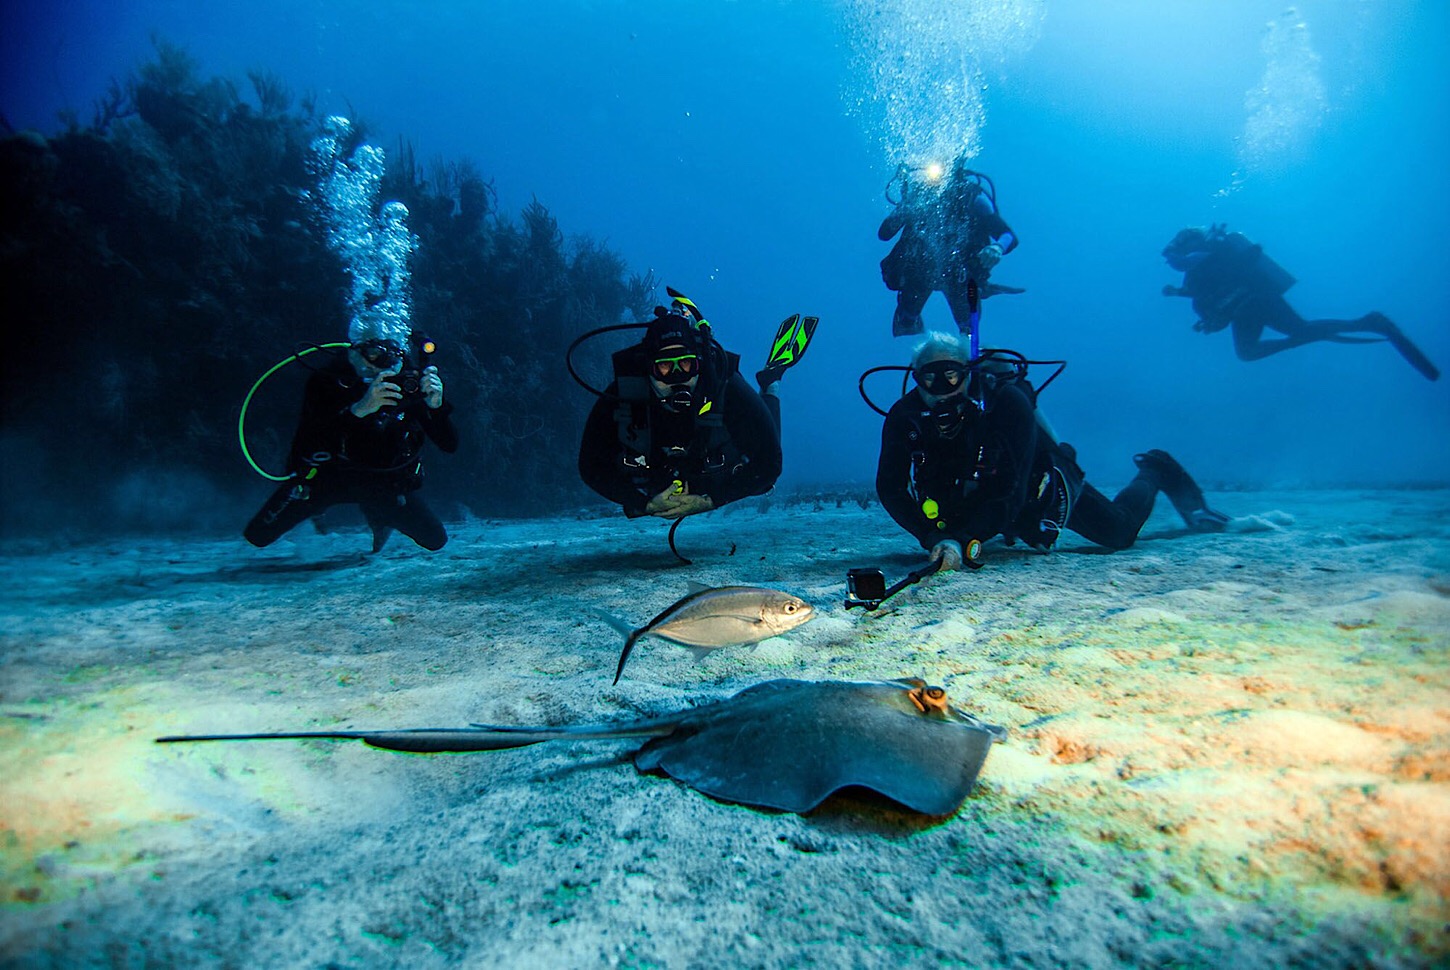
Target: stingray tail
pixel 420 740
pixel 652 728
pixel 478 737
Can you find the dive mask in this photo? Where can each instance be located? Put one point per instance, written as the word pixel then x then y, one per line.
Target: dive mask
pixel 382 354
pixel 941 378
pixel 676 370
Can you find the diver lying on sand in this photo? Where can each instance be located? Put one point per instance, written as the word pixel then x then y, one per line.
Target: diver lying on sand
pixel 965 456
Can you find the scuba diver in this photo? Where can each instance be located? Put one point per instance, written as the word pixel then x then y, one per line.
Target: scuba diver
pixel 965 455
pixel 1233 283
pixel 365 417
pixel 679 431
pixel 951 238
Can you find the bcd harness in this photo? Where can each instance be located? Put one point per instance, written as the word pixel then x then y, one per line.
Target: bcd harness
pixel 1055 483
pixel 709 450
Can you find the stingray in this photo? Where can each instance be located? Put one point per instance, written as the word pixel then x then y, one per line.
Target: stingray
pixel 783 744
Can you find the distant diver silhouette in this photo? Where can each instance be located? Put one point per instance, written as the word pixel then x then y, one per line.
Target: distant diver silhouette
pixel 1234 284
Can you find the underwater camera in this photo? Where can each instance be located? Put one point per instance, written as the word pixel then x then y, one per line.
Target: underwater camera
pixel 866 586
pixel 410 378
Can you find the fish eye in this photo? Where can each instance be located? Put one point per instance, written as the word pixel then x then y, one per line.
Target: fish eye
pixel 791 607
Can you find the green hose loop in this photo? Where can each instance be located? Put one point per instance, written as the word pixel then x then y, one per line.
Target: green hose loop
pixel 242 418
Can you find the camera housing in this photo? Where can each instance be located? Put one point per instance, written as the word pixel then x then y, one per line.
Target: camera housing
pixel 409 381
pixel 410 378
pixel 867 584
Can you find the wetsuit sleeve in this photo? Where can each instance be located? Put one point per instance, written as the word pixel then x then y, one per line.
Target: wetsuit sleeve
pixel 892 224
pixel 893 479
pixel 438 424
pixel 984 211
pixel 600 464
pixel 753 433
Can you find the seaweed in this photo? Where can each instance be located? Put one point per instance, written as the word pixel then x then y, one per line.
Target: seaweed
pixel 164 255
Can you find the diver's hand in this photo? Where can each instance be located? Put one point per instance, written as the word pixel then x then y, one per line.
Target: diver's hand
pixel 679 506
pixel 432 387
pixel 381 393
pixel 988 256
pixel 658 504
pixel 948 552
pixel 676 503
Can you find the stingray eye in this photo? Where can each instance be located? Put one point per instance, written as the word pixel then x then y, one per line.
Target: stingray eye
pixel 929 700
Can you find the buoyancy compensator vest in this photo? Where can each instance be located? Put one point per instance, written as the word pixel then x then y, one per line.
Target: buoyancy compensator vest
pixel 658 447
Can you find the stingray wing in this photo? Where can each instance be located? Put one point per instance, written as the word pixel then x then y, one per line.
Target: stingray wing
pixel 789 745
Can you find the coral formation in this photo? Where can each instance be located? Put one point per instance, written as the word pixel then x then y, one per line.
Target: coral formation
pixel 166 253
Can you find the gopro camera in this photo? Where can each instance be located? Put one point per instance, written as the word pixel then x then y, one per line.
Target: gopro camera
pixel 865 587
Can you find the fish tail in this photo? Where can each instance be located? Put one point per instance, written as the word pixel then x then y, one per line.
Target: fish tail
pixel 628 646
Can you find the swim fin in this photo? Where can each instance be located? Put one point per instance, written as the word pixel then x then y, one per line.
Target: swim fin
pixel 789 346
pixel 1377 322
pixel 1000 289
pixel 1414 355
pixel 1187 498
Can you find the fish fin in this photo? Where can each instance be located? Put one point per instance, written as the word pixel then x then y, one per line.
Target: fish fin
pixel 624 654
pixel 693 587
pixel 614 621
pixel 700 653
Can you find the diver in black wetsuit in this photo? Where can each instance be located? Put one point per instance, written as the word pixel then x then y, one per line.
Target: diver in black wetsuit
pixel 358 441
pixel 964 455
pixel 679 431
pixel 951 238
pixel 1232 283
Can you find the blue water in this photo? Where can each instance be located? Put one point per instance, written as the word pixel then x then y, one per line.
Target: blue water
pixel 740 150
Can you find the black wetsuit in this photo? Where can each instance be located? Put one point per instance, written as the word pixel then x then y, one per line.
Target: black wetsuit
pixel 941 235
pixel 1232 283
pixel 739 458
pixel 372 461
pixel 985 480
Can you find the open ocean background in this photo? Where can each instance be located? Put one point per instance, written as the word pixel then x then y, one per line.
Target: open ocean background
pixel 739 150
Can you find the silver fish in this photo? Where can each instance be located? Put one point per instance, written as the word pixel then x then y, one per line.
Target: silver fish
pixel 726 616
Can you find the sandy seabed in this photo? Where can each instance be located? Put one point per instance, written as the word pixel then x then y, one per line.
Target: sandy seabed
pixel 1224 750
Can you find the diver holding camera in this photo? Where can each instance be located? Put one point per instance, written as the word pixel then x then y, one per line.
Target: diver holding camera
pixel 365 417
